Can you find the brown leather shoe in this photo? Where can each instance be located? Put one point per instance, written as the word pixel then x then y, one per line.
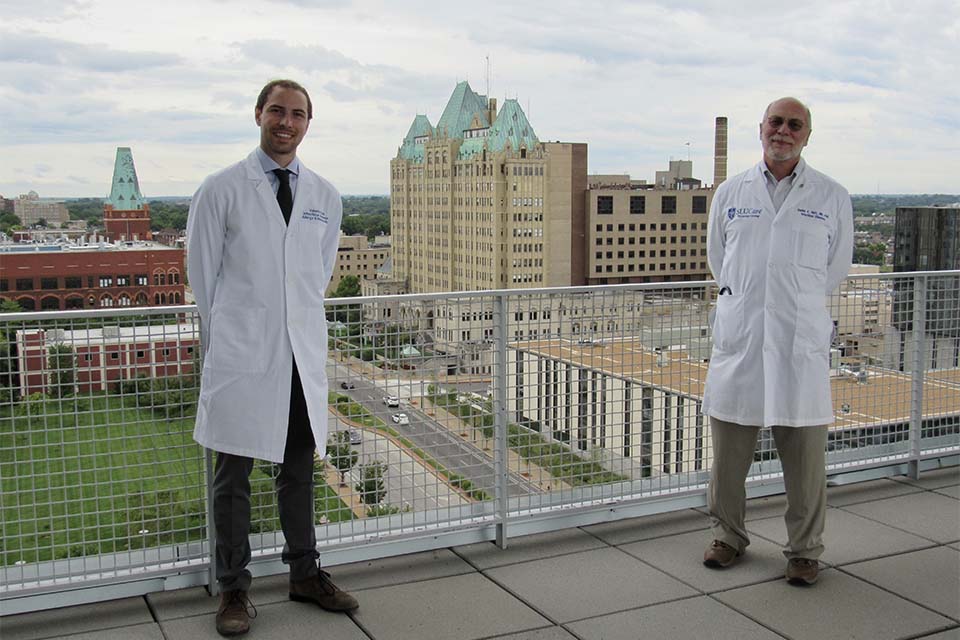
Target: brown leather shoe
pixel 802 571
pixel 321 591
pixel 234 613
pixel 719 555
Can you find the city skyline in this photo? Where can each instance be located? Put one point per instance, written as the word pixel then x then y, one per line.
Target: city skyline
pixel 637 82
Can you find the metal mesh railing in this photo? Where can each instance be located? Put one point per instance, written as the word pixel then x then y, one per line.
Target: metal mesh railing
pixel 98 469
pixel 449 412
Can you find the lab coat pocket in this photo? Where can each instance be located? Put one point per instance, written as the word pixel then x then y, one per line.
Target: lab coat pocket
pixel 811 249
pixel 237 339
pixel 310 239
pixel 814 326
pixel 728 330
pixel 315 345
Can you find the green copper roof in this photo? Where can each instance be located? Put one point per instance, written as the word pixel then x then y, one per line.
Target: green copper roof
pixel 511 126
pixel 125 190
pixel 411 149
pixel 458 115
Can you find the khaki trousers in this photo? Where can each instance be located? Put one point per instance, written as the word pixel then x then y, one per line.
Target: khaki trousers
pixel 803 458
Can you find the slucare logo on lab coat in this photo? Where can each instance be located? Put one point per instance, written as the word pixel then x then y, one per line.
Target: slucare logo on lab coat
pixel 743 212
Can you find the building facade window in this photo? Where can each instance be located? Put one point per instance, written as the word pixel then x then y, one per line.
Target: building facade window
pixel 668 204
pixel 638 204
pixel 699 204
pixel 605 205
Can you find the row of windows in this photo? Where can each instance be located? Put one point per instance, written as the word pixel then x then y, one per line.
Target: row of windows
pixel 114 355
pixel 527 170
pixel 643 240
pixel 638 204
pixel 653 227
pixel 77 282
pixel 673 266
pixel 599 255
pixel 53 303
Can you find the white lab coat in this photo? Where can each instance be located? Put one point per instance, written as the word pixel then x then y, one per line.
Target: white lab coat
pixel 772 333
pixel 259 286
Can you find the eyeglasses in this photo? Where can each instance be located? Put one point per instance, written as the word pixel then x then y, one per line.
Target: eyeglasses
pixel 793 124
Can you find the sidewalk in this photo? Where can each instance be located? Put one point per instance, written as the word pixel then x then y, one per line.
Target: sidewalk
pixel 893 571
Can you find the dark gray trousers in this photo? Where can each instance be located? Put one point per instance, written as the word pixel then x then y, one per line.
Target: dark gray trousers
pixel 231 503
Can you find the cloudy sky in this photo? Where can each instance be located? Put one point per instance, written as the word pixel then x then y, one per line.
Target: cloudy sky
pixel 640 82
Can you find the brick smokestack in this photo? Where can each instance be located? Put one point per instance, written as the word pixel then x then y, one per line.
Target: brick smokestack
pixel 720 152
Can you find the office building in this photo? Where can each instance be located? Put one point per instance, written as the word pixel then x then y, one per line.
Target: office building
pixel 357 256
pixel 480 202
pixel 638 232
pixel 32 210
pixel 928 239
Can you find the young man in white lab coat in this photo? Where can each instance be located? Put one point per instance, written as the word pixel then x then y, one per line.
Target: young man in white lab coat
pixel 779 240
pixel 262 238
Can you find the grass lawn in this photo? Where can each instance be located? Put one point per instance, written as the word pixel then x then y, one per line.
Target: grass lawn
pixel 85 476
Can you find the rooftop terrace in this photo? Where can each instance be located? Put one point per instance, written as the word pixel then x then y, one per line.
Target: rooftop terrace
pixel 597 496
pixel 892 571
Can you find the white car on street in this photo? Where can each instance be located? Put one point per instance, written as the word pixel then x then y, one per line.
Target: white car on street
pixel 401 418
pixel 391 401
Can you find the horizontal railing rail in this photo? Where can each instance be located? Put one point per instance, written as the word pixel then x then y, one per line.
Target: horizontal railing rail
pixel 454 418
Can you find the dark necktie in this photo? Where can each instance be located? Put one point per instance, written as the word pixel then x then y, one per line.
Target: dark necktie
pixel 284 195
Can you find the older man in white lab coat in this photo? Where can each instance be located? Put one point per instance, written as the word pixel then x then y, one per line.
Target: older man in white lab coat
pixel 779 240
pixel 262 239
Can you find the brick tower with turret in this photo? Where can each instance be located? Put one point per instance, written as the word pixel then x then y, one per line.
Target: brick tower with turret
pixel 125 214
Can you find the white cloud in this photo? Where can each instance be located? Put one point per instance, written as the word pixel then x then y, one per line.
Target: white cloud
pixel 635 80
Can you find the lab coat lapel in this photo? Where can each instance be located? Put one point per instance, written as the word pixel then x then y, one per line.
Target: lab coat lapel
pixel 759 186
pixel 301 196
pixel 268 199
pixel 796 193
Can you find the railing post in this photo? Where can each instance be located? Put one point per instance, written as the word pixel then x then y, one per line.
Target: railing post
pixel 916 373
pixel 212 585
pixel 500 462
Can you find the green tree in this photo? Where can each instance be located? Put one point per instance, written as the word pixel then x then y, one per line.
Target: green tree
pixel 9 306
pixel 372 487
pixel 349 287
pixel 342 455
pixel 62 364
pixel 168 215
pixel 8 222
pixel 89 209
pixel 870 254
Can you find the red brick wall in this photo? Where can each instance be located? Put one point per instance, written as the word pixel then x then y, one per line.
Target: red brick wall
pixel 163 268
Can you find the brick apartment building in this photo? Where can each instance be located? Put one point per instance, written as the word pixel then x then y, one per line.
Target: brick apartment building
pixel 107 356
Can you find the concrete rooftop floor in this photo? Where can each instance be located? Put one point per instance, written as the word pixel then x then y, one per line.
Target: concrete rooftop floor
pixel 892 571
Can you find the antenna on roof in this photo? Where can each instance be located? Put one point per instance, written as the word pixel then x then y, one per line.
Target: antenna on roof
pixel 488 75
